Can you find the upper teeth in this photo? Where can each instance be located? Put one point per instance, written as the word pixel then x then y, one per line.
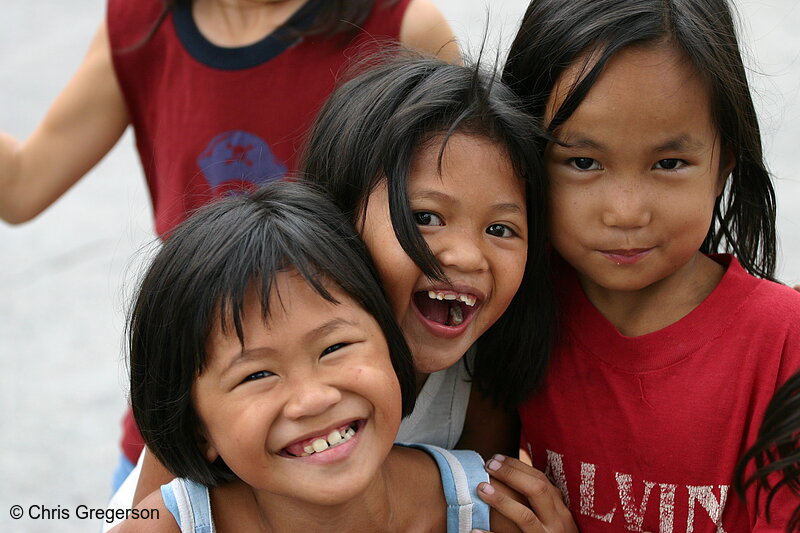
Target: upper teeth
pixel 334 438
pixel 466 298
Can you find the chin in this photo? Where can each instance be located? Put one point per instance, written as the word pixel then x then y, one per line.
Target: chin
pixel 438 362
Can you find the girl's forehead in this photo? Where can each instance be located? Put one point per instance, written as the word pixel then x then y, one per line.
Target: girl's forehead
pixel 649 62
pixel 440 149
pixel 294 308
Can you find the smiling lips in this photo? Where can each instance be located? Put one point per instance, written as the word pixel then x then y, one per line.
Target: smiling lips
pixel 627 256
pixel 446 312
pixel 323 442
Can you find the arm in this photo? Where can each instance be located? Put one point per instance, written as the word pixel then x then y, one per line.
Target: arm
pixel 153 475
pixel 160 519
pixel 489 429
pixel 424 28
pixel 81 126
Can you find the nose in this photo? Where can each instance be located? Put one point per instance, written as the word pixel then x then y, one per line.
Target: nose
pixel 626 205
pixel 461 250
pixel 310 397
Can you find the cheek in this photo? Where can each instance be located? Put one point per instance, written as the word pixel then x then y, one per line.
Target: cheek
pixel 513 271
pixel 566 211
pixel 397 272
pixel 379 385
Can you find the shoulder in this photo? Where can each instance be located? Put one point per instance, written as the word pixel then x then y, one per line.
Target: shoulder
pixel 426 29
pixel 159 518
pixel 775 306
pixel 130 20
pixel 762 300
pixel 765 323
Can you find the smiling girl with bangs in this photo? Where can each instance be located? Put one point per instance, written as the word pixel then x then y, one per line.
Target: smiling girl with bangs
pixel 269 375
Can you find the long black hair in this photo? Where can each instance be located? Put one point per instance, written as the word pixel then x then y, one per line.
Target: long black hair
pixel 369 131
pixel 777 450
pixel 200 278
pixel 555 34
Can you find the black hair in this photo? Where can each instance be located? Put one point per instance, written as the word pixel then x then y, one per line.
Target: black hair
pixel 555 34
pixel 333 17
pixel 777 450
pixel 200 278
pixel 369 131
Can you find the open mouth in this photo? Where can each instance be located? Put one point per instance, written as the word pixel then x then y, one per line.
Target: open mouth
pixel 445 307
pixel 321 443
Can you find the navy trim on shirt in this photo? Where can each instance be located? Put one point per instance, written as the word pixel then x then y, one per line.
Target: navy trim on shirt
pixel 242 57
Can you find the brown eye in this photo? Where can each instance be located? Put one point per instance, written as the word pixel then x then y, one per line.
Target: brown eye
pixel 425 218
pixel 332 348
pixel 585 163
pixel 670 164
pixel 499 230
pixel 261 374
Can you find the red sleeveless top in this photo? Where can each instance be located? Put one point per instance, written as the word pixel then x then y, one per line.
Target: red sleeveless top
pixel 209 119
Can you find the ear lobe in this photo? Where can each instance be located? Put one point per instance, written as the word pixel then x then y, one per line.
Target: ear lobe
pixel 727 163
pixel 209 451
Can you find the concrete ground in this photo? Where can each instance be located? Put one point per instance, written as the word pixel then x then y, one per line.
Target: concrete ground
pixel 65 278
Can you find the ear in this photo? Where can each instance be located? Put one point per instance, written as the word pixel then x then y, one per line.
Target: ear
pixel 727 162
pixel 206 446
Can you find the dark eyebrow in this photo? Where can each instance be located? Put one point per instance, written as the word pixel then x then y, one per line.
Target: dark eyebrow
pixel 320 331
pixel 683 143
pixel 431 195
pixel 505 207
pixel 581 142
pixel 328 327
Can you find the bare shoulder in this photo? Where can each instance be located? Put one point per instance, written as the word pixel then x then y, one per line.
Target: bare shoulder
pixel 426 29
pixel 152 516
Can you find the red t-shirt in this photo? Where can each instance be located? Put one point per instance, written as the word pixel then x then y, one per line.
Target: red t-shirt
pixel 209 119
pixel 643 433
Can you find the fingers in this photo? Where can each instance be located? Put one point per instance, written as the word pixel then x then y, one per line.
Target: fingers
pixel 518 513
pixel 546 510
pixel 543 497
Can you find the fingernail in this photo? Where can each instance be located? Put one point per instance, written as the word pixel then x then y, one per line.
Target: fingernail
pixel 486 488
pixel 493 465
pixel 499 457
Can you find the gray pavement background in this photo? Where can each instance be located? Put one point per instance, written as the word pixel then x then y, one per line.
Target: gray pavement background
pixel 65 277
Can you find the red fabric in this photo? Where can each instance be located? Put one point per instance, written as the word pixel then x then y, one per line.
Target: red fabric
pixel 642 433
pixel 201 131
pixel 178 105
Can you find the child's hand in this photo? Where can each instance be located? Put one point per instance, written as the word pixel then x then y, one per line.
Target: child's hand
pixel 547 512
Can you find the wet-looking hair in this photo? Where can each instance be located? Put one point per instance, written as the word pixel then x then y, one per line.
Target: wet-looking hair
pixel 370 130
pixel 555 34
pixel 199 279
pixel 776 451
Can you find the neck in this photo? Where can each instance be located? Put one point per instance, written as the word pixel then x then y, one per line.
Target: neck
pixel 389 504
pixel 422 377
pixel 370 511
pixel 235 23
pixel 659 304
